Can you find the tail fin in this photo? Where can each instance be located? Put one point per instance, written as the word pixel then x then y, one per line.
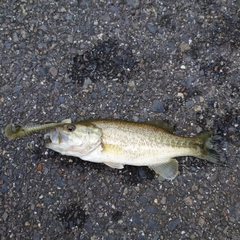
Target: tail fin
pixel 204 141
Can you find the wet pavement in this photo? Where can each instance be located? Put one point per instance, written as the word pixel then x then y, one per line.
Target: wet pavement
pixel 135 60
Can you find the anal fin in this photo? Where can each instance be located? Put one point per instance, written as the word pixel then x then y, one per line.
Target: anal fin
pixel 160 178
pixel 167 170
pixel 114 165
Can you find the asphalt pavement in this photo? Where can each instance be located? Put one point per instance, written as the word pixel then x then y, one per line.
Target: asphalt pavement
pixel 176 61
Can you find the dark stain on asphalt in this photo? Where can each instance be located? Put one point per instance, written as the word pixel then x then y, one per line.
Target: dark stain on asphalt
pixel 133 175
pixel 107 60
pixel 72 216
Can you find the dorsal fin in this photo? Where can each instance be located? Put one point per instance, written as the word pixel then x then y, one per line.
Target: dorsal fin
pixel 161 124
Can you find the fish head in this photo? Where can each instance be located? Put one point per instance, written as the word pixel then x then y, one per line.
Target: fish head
pixel 75 139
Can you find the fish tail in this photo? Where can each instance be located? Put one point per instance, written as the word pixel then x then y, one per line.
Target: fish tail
pixel 204 140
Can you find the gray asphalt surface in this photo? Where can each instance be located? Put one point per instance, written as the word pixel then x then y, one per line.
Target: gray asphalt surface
pixel 136 60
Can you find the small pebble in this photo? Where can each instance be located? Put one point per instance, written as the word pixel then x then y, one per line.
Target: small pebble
pixel 39 167
pixel 183 67
pixel 53 71
pixel 4 216
pixel 153 225
pixel 158 106
pixel 15 37
pixel 201 222
pixel 43 27
pixel 136 218
pixel 133 3
pixel 172 225
pixel 27 224
pixel 188 201
pixel 189 104
pixel 42 71
pixel 201 99
pixel 61 99
pixel 87 82
pixel 151 209
pixel 184 47
pixel 16 89
pixel 151 28
pixel 163 200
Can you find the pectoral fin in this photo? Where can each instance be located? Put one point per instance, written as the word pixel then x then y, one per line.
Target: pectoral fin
pixel 114 165
pixel 168 170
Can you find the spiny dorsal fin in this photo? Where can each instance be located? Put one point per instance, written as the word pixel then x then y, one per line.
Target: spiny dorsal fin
pixel 68 120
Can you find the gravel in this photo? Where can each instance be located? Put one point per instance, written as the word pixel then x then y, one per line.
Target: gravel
pixel 135 60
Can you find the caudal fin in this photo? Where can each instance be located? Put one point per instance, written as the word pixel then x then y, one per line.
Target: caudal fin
pixel 204 140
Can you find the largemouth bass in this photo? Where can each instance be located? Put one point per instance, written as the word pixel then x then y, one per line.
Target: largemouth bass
pixel 117 143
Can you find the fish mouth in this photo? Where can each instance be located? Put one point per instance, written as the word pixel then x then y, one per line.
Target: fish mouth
pixel 57 136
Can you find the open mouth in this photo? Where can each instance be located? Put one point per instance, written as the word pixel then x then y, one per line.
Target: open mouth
pixel 56 136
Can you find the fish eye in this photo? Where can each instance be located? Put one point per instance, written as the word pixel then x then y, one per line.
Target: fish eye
pixel 71 127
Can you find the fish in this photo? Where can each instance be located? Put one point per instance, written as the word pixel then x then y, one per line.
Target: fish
pixel 117 143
